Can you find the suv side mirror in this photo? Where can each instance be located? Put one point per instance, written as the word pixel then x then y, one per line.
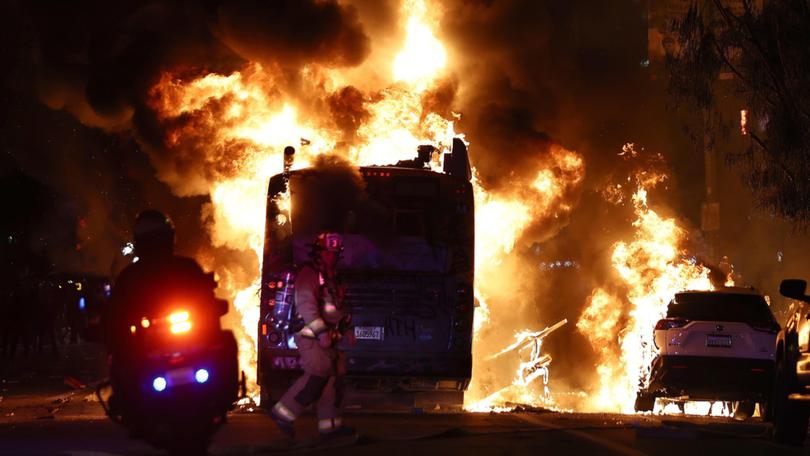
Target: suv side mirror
pixel 794 288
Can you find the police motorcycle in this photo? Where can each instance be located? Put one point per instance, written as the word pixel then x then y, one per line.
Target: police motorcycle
pixel 178 377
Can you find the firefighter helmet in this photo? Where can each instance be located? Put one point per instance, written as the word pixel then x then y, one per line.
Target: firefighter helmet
pixel 153 233
pixel 329 241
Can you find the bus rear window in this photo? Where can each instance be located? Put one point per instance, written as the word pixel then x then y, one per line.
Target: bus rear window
pixel 422 188
pixel 409 223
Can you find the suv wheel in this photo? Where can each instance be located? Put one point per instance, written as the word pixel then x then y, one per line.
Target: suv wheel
pixel 790 418
pixel 645 402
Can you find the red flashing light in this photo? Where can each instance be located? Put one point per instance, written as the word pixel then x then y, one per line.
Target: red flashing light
pixel 264 329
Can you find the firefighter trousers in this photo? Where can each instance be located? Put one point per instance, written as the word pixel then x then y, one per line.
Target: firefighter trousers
pixel 322 382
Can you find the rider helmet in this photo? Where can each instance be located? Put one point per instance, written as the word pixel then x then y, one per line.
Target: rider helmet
pixel 153 233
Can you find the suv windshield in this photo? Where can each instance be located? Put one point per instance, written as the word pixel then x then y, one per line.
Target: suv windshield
pixel 720 307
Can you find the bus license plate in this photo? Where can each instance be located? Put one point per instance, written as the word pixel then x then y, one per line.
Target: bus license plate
pixel 718 341
pixel 368 332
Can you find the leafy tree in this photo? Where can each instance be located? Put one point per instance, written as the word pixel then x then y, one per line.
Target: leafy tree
pixel 766 46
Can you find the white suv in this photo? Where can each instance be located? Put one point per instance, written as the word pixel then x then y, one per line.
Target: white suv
pixel 714 346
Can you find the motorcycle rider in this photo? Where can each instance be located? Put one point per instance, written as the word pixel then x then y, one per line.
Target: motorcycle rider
pixel 139 287
pixel 323 319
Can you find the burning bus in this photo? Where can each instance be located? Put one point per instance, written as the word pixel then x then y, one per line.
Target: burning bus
pixel 408 268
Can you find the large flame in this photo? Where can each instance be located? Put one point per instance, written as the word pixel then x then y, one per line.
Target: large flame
pixel 247 117
pixel 423 57
pixel 500 221
pixel 652 267
pixel 238 124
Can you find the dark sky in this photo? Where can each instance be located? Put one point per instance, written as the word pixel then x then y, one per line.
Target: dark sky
pixel 98 181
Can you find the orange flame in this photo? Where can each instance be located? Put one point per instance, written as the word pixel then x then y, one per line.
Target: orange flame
pixel 500 221
pixel 653 268
pixel 241 121
pixel 247 117
pixel 423 56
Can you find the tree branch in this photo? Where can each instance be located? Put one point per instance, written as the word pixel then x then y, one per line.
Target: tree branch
pixel 772 156
pixel 779 85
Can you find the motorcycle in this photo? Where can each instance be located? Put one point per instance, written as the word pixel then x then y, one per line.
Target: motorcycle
pixel 177 378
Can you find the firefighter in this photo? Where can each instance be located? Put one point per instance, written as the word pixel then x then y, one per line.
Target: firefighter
pixel 323 320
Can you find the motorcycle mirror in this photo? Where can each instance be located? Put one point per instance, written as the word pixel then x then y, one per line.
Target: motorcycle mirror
pixel 794 288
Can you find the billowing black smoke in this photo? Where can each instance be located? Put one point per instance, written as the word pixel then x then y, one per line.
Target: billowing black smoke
pixel 98 60
pixel 328 193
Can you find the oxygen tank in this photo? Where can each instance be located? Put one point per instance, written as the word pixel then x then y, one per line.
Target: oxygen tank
pixel 282 310
pixel 284 300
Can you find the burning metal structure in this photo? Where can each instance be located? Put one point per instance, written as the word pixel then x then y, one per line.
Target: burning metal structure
pixel 535 366
pixel 249 111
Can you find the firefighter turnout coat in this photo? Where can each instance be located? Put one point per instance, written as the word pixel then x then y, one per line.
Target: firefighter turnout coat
pixel 319 302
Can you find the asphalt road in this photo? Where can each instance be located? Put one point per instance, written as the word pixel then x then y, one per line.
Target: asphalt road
pixel 76 426
pixel 47 409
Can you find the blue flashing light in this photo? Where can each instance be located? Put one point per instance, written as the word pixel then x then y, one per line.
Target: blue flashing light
pixel 82 303
pixel 159 384
pixel 201 376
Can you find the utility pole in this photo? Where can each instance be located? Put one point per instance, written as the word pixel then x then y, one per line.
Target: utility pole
pixel 710 209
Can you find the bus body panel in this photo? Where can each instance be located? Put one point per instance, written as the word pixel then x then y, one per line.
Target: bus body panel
pixel 408 271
